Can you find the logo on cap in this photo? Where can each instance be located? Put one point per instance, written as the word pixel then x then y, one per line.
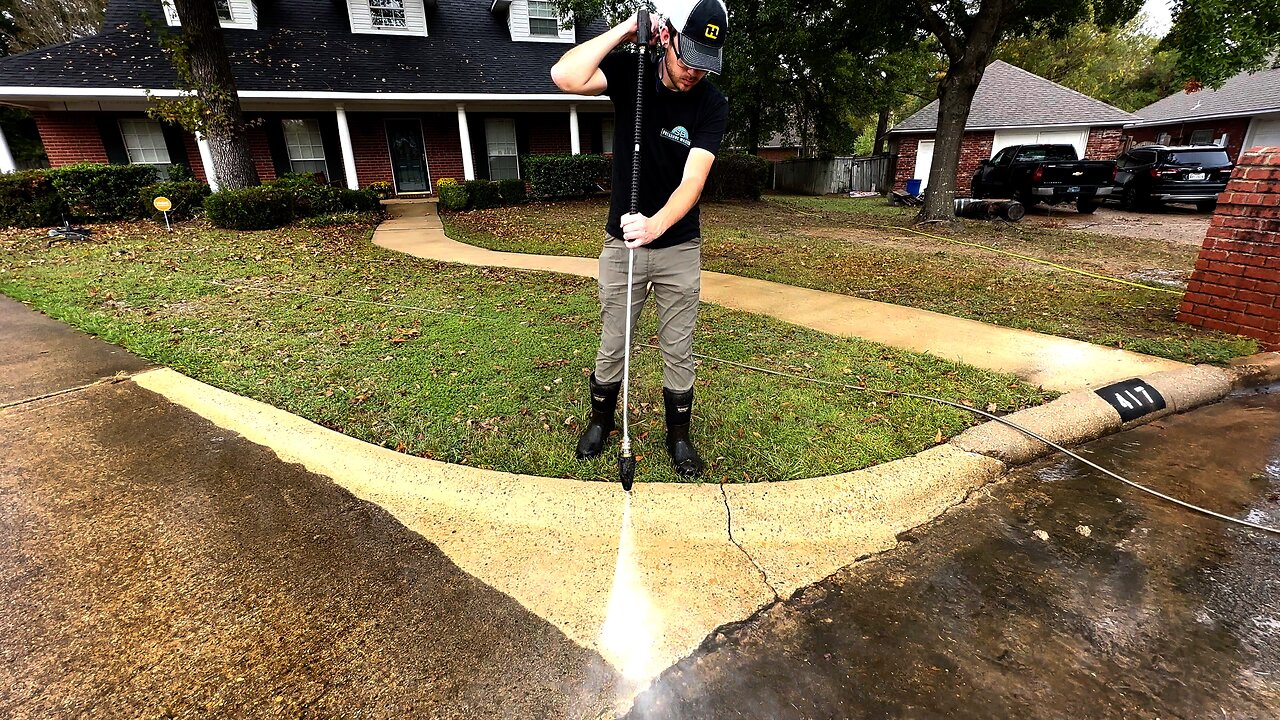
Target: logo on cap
pixel 713 32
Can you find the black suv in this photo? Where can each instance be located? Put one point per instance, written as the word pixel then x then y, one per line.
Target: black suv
pixel 1150 174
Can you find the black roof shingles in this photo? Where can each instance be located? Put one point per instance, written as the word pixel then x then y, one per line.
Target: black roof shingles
pixel 309 46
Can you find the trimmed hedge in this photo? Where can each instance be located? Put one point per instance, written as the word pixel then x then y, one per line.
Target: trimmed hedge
pixel 94 191
pixel 187 198
pixel 737 176
pixel 512 192
pixel 311 198
pixel 342 218
pixel 28 199
pixel 482 194
pixel 452 195
pixel 254 208
pixel 565 176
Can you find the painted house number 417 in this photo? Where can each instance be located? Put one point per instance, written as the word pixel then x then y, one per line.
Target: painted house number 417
pixel 1136 403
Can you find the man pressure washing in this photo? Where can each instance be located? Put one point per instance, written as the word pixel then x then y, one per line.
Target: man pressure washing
pixel 656 242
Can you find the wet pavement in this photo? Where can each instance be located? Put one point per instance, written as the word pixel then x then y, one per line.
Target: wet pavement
pixel 155 565
pixel 1057 594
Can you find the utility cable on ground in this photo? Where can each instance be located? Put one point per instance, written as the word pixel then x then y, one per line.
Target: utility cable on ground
pixel 818 381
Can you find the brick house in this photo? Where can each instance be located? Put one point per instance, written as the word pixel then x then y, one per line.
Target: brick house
pixel 403 91
pixel 1243 113
pixel 1011 107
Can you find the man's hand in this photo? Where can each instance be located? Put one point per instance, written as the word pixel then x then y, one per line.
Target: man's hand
pixel 638 230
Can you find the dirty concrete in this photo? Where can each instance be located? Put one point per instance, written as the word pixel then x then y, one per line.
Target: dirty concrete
pixel 153 564
pixel 1058 594
pixel 41 355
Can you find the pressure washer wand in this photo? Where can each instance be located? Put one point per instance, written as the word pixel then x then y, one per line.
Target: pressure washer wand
pixel 626 462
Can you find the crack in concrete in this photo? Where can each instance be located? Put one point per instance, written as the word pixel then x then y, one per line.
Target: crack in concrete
pixel 728 514
pixel 66 391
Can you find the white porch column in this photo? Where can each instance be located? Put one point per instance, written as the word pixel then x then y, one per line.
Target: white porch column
pixel 206 159
pixel 575 143
pixel 7 165
pixel 348 152
pixel 468 166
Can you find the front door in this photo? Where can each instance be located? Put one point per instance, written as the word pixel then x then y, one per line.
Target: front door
pixel 408 156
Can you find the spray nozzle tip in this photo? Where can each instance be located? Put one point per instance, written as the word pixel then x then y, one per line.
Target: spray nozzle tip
pixel 627 471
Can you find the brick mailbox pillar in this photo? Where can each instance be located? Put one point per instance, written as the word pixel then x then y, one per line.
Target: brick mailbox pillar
pixel 1236 284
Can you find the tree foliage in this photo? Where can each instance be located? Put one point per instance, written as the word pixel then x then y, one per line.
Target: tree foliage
pixel 30 24
pixel 1216 39
pixel 1122 66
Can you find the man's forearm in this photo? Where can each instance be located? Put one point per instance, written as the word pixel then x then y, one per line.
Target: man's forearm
pixel 575 69
pixel 679 204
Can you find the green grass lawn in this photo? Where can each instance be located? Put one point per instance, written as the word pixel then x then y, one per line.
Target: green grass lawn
pixel 845 245
pixel 503 387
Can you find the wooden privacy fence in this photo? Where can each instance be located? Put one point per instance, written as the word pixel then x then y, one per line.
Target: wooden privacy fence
pixel 812 176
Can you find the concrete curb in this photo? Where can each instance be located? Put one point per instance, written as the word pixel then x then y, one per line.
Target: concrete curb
pixel 1081 416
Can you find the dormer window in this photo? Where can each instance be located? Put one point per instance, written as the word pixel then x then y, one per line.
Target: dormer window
pixel 544 21
pixel 388 17
pixel 387 13
pixel 232 14
pixel 534 21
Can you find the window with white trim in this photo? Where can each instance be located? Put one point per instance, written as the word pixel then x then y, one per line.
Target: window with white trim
pixel 224 10
pixel 387 13
pixel 500 143
pixel 606 135
pixel 144 142
pixel 306 147
pixel 1202 137
pixel 544 21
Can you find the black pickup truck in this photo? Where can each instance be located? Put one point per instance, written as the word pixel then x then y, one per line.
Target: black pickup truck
pixel 1051 174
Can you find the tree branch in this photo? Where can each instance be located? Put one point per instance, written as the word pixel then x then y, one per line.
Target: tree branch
pixel 936 25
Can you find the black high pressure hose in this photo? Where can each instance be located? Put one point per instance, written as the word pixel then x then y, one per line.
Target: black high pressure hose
pixel 627 462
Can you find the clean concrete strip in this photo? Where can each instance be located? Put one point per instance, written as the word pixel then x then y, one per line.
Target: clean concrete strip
pixel 1051 362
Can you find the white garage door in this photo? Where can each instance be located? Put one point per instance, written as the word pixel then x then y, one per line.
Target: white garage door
pixel 1078 138
pixel 1264 132
pixel 924 161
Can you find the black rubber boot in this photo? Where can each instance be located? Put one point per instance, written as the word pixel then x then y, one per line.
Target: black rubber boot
pixel 604 403
pixel 679 410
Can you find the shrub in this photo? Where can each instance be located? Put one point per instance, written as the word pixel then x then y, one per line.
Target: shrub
pixel 512 192
pixel 358 201
pixel 452 195
pixel 28 199
pixel 178 172
pixel 381 189
pixel 187 198
pixel 310 197
pixel 737 176
pixel 558 176
pixel 254 208
pixel 342 218
pixel 102 192
pixel 482 194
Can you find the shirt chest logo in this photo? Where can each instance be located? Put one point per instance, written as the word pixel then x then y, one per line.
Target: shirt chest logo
pixel 677 134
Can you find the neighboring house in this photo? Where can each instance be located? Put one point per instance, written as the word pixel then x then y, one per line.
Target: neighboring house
pixel 404 91
pixel 1011 107
pixel 779 147
pixel 1243 113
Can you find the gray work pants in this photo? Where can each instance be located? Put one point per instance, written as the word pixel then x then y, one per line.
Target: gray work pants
pixel 675 275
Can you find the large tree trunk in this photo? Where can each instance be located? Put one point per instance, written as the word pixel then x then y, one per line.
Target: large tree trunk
pixel 954 97
pixel 882 126
pixel 211 73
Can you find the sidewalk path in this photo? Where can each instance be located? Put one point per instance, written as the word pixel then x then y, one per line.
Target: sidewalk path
pixel 1051 362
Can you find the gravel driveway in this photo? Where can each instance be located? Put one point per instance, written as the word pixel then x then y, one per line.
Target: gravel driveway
pixel 1176 223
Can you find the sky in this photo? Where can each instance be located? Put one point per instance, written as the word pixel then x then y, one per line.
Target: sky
pixel 1157 12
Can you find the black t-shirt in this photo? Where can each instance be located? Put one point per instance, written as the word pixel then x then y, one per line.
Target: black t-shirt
pixel 674 123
